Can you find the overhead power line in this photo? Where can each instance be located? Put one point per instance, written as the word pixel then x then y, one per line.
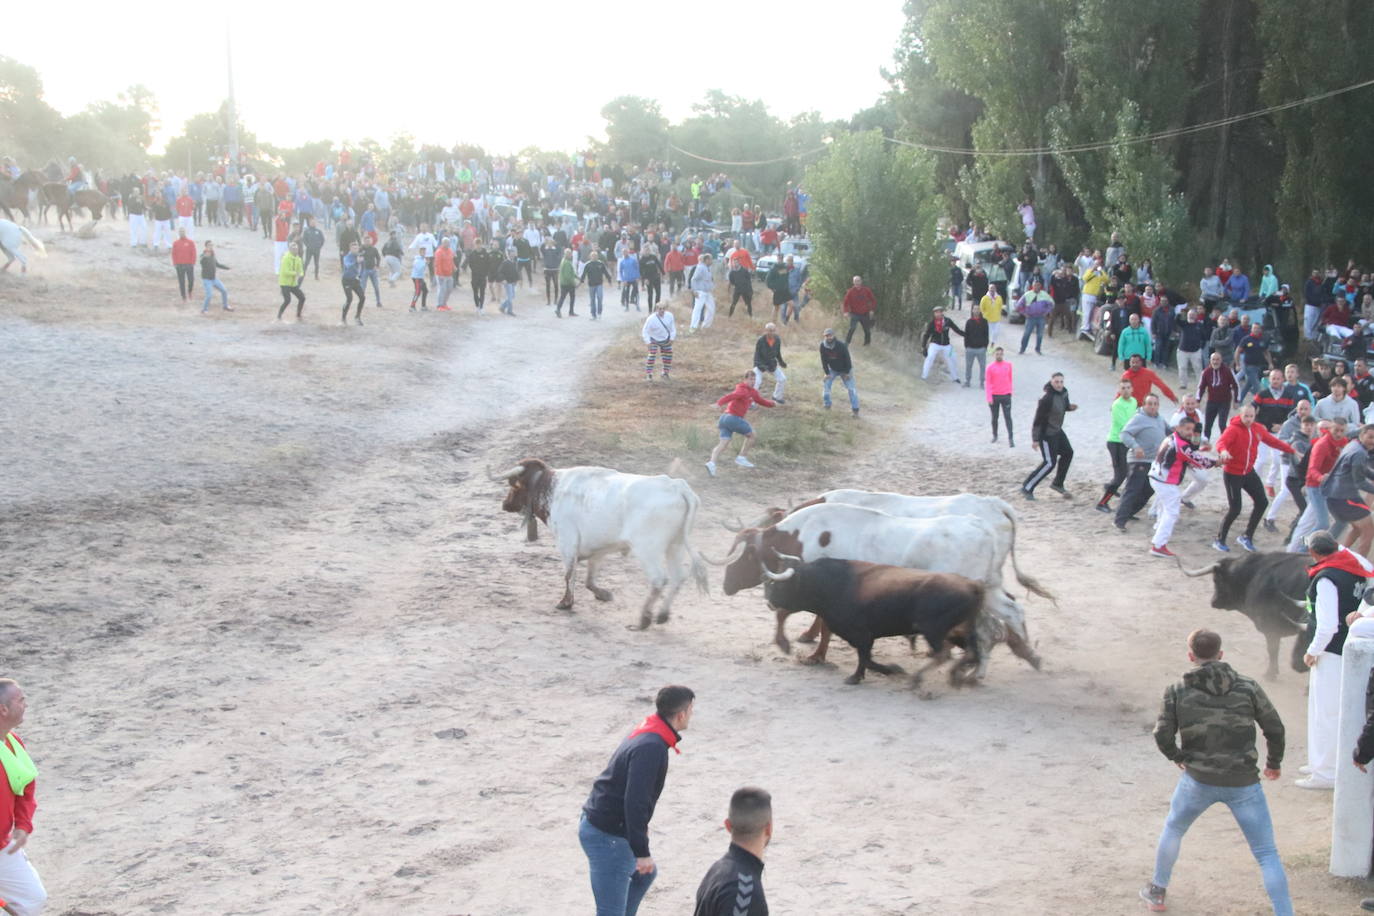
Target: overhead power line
pixel 1094 146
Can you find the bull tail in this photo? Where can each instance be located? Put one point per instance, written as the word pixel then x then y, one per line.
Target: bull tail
pixel 698 564
pixel 33 241
pixel 1030 583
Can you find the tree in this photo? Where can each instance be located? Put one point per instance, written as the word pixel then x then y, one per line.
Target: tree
pixel 204 141
pixel 873 212
pixel 636 131
pixel 1139 202
pixel 31 130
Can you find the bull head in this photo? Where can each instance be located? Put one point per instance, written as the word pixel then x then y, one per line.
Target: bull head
pixel 521 496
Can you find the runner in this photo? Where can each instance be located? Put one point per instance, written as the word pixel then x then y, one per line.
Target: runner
pixel 836 363
pixel 732 422
pixel 289 278
pixel 1241 442
pixel 768 359
pixel 208 265
pixel 1180 452
pixel 703 286
pixel 417 280
pixel 352 270
pixel 659 332
pixel 1049 439
pixel 998 386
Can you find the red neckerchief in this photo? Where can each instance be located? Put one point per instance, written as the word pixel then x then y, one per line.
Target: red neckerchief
pixel 654 724
pixel 939 325
pixel 1343 560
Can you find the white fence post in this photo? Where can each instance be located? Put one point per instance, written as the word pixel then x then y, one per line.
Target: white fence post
pixel 1352 820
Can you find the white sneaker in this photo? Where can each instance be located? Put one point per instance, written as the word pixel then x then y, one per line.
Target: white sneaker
pixel 711 468
pixel 743 462
pixel 1312 782
pixel 1305 770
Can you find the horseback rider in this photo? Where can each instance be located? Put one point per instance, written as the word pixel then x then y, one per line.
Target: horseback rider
pixel 9 167
pixel 76 177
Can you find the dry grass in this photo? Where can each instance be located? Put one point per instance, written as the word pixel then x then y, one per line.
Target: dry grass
pixel 626 422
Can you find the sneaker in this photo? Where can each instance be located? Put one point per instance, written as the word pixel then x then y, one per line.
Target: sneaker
pixel 1162 551
pixel 743 462
pixel 1104 508
pixel 856 411
pixel 1186 504
pixel 1153 895
pixel 826 406
pixel 1120 526
pixel 1028 494
pixel 1246 543
pixel 711 468
pixel 1011 443
pixel 1367 904
pixel 1313 782
pixel 1059 488
pixel 228 308
pixel 1305 769
pixel 1270 526
pixel 1218 545
pixel 442 308
pixel 779 401
pixel 358 322
pixel 994 440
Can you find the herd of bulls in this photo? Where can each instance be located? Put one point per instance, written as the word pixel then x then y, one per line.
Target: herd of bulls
pixel 869 565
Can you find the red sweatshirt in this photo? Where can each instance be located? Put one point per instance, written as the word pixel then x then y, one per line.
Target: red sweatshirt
pixel 1241 442
pixel 672 261
pixel 859 300
pixel 183 251
pixel 737 402
pixel 185 206
pixel 1322 458
pixel 1142 380
pixel 1218 385
pixel 18 810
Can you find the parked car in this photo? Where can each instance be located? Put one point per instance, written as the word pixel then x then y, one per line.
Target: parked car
pixel 987 252
pixel 798 249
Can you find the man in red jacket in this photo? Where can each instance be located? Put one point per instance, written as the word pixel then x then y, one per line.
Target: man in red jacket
pixel 184 260
pixel 21 890
pixel 736 405
pixel 861 306
pixel 1239 447
pixel 1142 379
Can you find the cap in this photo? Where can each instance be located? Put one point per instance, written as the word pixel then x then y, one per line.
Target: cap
pixel 828 332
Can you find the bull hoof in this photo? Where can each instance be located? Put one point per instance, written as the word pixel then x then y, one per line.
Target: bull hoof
pixel 853 679
pixel 565 604
pixel 926 695
pixel 889 669
pixel 812 659
pixel 807 638
pixel 663 617
pixel 602 594
pixel 644 621
pixel 1036 662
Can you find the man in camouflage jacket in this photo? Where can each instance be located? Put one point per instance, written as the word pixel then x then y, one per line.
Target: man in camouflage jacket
pixel 1214 710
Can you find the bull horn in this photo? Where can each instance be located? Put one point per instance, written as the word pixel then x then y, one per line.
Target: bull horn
pixel 731 528
pixel 515 471
pixel 778 577
pixel 786 556
pixel 735 553
pixel 1196 572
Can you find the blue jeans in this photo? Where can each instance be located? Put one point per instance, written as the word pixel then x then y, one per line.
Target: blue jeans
pixel 508 303
pixel 616 887
pixel 1038 324
pixel 210 287
pixel 848 380
pixel 594 294
pixel 1252 382
pixel 1251 812
pixel 371 275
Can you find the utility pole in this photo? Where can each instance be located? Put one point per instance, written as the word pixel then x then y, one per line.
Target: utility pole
pixel 233 170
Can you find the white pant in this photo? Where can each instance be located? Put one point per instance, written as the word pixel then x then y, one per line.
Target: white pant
pixel 393 268
pixel 138 229
pixel 20 887
pixel 1167 499
pixel 704 312
pixel 1310 315
pixel 1089 302
pixel 162 233
pixel 1281 495
pixel 1269 465
pixel 1189 362
pixel 993 327
pixel 1196 485
pixel 934 352
pixel 779 381
pixel 1323 712
pixel 278 252
pixel 189 224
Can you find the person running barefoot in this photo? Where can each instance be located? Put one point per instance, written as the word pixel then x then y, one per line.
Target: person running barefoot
pixel 736 405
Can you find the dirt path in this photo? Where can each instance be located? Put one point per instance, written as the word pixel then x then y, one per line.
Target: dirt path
pixel 286 654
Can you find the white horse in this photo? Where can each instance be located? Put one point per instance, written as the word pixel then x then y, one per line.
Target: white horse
pixel 12 236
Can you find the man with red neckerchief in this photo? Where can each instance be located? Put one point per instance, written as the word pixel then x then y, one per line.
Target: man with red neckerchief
pixel 614 830
pixel 21 890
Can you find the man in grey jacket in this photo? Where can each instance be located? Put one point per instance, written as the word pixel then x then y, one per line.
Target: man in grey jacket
pixel 1141 435
pixel 1338 403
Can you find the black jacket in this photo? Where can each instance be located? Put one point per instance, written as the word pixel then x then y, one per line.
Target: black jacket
pixel 552 257
pixel 836 359
pixel 733 886
pixel 1049 415
pixel 650 268
pixel 314 238
pixel 623 797
pixel 975 334
pixel 768 357
pixel 940 337
pixel 208 263
pixel 741 279
pixel 479 264
pixel 595 273
pixel 509 271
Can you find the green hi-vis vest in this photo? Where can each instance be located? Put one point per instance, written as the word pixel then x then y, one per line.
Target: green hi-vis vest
pixel 17 763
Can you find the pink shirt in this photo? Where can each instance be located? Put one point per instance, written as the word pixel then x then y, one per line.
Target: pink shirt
pixel 997 379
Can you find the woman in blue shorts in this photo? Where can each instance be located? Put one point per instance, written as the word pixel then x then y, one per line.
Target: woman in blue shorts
pixel 732 422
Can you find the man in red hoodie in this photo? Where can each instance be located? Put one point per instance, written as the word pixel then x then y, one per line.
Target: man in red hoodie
pixel 1143 378
pixel 861 306
pixel 186 212
pixel 184 260
pixel 1241 442
pixel 736 405
pixel 21 890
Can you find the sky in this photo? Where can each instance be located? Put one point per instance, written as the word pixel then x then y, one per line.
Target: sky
pixel 534 78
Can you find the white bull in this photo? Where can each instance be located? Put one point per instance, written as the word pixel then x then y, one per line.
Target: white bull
pixel 954 544
pixel 594 512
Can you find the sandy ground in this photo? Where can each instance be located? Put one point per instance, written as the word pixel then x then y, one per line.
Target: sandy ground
pixel 285 654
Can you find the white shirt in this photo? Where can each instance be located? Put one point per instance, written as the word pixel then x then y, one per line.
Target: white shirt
pixel 426 242
pixel 533 237
pixel 656 328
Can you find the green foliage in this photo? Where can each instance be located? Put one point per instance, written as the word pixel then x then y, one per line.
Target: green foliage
pixel 204 141
pixel 636 131
pixel 873 212
pixel 1139 203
